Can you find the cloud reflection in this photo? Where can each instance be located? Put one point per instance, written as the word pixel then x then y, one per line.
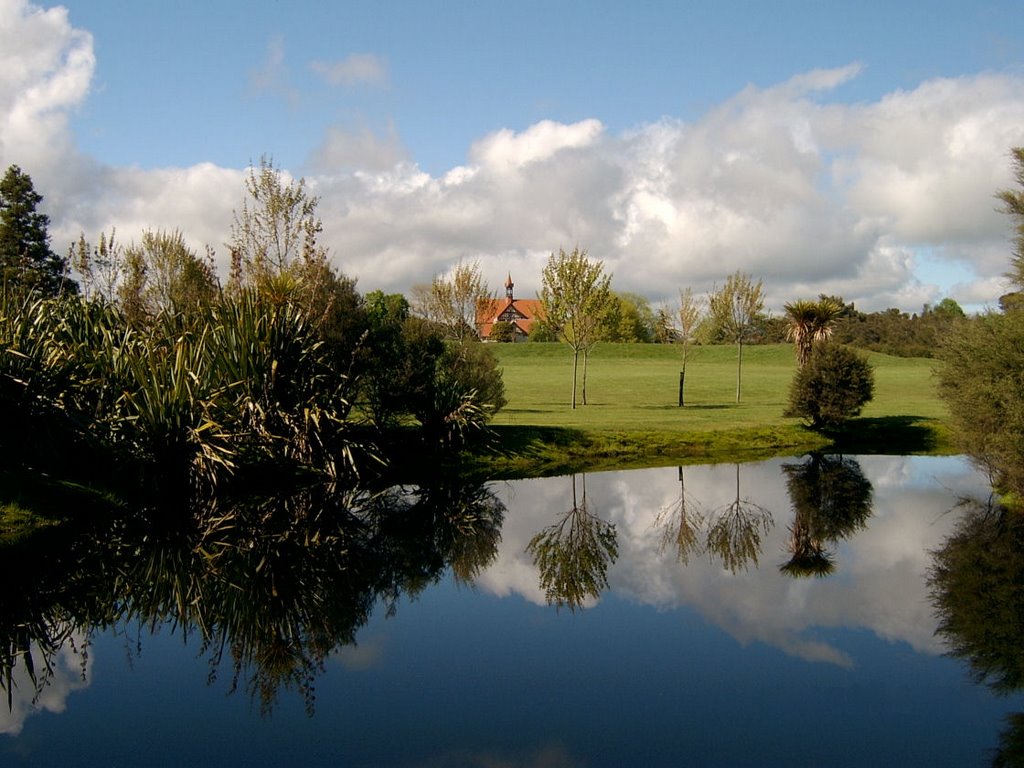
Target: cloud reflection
pixel 71 672
pixel 879 579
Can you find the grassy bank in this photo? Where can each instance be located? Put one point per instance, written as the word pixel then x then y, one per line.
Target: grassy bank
pixel 632 416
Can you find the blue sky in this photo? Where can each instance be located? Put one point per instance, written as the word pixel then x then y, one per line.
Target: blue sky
pixel 850 149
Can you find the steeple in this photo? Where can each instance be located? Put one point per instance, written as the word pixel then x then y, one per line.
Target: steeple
pixel 509 285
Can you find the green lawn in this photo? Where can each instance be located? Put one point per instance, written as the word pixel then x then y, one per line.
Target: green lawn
pixel 632 410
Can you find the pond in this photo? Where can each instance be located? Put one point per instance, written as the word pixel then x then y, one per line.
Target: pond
pixel 777 613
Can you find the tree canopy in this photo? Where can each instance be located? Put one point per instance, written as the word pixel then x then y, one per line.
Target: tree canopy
pixel 735 308
pixel 26 259
pixel 575 296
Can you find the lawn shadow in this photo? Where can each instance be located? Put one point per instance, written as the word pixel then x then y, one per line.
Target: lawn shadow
pixel 668 407
pixel 896 435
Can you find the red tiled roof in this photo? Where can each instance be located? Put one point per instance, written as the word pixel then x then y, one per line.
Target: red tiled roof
pixel 526 311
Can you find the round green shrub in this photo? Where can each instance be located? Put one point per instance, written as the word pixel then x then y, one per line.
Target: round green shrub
pixel 831 387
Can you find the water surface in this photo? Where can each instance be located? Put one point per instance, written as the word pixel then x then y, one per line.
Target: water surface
pixel 715 615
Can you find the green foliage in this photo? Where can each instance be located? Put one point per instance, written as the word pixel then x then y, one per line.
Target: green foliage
pixel 982 383
pixel 276 231
pixel 25 256
pixel 503 332
pixel 453 301
pixel 575 297
pixel 408 369
pixel 735 309
pixel 832 387
pixel 809 323
pixel 628 318
pixel 898 333
pixel 1013 202
pixel 162 274
pixel 184 400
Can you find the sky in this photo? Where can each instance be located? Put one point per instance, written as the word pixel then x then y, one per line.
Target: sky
pixel 850 149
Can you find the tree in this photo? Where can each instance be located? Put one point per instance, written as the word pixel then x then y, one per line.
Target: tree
pixel 575 294
pixel 274 246
pixel 664 327
pixel 163 273
pixel 275 250
pixel 503 331
pixel 25 255
pixel 982 383
pixel 831 387
pixel 736 308
pixel 100 267
pixel 629 318
pixel 690 315
pixel 453 301
pixel 810 322
pixel 1013 205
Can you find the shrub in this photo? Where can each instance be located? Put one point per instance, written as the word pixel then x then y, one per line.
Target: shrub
pixel 982 383
pixel 831 387
pixel 503 331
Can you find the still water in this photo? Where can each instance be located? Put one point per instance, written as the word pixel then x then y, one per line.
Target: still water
pixel 775 613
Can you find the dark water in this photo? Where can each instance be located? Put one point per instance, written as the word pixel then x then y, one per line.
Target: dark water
pixel 753 616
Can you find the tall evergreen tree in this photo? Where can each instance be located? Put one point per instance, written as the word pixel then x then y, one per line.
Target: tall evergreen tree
pixel 25 256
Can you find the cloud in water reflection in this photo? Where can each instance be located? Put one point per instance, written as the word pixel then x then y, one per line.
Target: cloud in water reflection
pixel 70 672
pixel 877 570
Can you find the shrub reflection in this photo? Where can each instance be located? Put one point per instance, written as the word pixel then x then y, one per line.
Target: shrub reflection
pixel 270 586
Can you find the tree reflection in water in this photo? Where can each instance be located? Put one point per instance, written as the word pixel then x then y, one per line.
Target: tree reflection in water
pixel 682 524
pixel 831 500
pixel 977 588
pixel 736 529
pixel 269 587
pixel 574 553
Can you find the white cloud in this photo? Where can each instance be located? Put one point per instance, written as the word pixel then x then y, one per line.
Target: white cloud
pixel 810 194
pixel 506 150
pixel 354 69
pixel 272 76
pixel 344 150
pixel 45 70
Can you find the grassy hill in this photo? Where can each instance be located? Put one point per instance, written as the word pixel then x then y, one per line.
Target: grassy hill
pixel 632 414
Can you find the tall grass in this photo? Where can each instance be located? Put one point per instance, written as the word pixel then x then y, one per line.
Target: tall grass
pixel 186 400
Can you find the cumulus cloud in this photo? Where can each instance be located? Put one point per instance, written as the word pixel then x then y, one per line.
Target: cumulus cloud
pixel 46 67
pixel 349 150
pixel 782 182
pixel 354 69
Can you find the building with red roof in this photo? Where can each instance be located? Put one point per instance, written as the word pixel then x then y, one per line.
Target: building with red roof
pixel 520 313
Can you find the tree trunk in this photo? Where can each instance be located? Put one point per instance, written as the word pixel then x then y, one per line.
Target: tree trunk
pixel 586 354
pixel 739 368
pixel 575 367
pixel 682 377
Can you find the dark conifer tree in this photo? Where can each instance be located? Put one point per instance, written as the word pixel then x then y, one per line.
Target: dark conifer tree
pixel 25 256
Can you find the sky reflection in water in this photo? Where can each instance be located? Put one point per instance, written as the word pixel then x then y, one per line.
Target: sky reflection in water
pixel 673 664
